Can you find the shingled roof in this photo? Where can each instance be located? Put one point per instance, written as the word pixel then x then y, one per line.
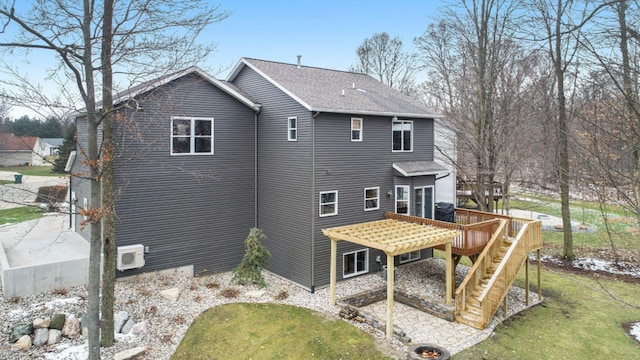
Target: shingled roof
pixel 10 142
pixel 335 91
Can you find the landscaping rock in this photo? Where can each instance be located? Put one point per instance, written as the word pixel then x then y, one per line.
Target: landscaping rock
pixel 84 326
pixel 57 322
pixel 127 326
pixel 170 294
pixel 23 344
pixel 119 319
pixel 40 336
pixel 140 328
pixel 255 294
pixel 40 323
pixel 19 331
pixel 131 353
pixel 55 336
pixel 71 328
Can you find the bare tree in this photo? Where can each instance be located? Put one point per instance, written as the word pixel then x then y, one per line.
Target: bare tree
pixel 474 71
pixel 143 38
pixel 383 58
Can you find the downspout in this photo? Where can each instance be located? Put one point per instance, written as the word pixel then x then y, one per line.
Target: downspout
pixel 255 170
pixel 313 191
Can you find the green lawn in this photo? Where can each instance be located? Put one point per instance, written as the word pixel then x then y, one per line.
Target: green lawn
pixel 580 318
pixel 272 331
pixel 32 170
pixel 19 214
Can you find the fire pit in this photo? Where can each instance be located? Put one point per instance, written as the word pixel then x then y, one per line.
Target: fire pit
pixel 427 351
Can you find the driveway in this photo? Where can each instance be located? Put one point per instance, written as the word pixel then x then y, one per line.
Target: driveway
pixel 16 195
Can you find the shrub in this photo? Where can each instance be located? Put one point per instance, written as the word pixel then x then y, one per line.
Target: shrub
pixel 254 260
pixel 52 196
pixel 230 293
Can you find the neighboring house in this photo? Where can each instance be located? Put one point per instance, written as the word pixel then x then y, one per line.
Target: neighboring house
pixel 445 155
pixel 44 148
pixel 286 148
pixel 16 150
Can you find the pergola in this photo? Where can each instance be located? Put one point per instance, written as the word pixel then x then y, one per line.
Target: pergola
pixel 394 237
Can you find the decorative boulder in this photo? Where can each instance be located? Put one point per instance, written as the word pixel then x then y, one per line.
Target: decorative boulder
pixel 57 322
pixel 40 336
pixel 40 323
pixel 131 353
pixel 170 294
pixel 71 328
pixel 54 337
pixel 119 319
pixel 23 344
pixel 139 328
pixel 19 331
pixel 127 326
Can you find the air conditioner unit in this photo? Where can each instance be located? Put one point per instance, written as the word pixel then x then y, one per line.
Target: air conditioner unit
pixel 130 257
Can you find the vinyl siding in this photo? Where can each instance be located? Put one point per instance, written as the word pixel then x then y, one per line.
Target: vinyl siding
pixel 284 179
pixel 188 209
pixel 349 167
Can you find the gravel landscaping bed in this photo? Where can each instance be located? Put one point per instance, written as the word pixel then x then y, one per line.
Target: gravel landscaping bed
pixel 167 321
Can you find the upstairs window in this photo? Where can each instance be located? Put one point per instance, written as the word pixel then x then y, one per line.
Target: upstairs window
pixel 371 199
pixel 402 135
pixel 191 135
pixel 356 129
pixel 402 199
pixel 328 203
pixel 292 129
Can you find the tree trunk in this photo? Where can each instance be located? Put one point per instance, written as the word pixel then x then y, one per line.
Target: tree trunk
pixel 108 228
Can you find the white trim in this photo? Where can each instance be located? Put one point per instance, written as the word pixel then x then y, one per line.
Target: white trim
pixel 402 122
pixel 395 206
pixel 410 258
pixel 397 168
pixel 377 198
pixel 85 205
pixel 433 199
pixel 192 136
pixel 359 130
pixel 320 204
pixel 73 210
pixel 290 128
pixel 355 267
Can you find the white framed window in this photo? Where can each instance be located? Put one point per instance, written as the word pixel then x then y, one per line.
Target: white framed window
pixel 402 134
pixel 292 128
pixel 191 135
pixel 355 263
pixel 328 203
pixel 410 256
pixel 402 199
pixel 356 129
pixel 371 198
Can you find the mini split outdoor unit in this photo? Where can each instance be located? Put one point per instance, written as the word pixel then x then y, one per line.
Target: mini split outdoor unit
pixel 130 257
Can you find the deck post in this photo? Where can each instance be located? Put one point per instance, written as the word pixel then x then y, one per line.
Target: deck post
pixel 390 285
pixel 526 280
pixel 539 276
pixel 450 275
pixel 334 254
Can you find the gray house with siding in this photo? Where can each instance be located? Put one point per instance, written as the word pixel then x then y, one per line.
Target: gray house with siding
pixel 287 148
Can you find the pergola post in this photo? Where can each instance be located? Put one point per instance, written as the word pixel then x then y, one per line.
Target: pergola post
pixel 390 285
pixel 332 275
pixel 449 276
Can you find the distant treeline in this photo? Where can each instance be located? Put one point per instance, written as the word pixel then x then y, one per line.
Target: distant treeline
pixel 25 126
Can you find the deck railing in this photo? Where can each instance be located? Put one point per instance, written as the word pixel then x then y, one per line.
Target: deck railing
pixel 527 239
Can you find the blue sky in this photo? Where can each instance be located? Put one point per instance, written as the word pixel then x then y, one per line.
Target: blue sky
pixel 326 33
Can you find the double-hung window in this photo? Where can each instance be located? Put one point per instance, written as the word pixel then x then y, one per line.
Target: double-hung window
pixel 355 263
pixel 328 203
pixel 371 198
pixel 410 256
pixel 356 129
pixel 402 199
pixel 190 135
pixel 292 129
pixel 402 135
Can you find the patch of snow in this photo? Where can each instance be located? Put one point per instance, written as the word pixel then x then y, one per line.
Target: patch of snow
pixel 635 330
pixel 51 305
pixel 597 265
pixel 68 352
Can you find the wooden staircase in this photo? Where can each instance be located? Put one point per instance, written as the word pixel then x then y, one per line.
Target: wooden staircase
pixel 491 276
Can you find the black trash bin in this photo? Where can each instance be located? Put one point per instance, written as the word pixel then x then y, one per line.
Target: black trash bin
pixel 445 212
pixel 17 179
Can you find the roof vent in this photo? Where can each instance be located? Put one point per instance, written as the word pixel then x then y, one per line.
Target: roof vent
pixel 299 56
